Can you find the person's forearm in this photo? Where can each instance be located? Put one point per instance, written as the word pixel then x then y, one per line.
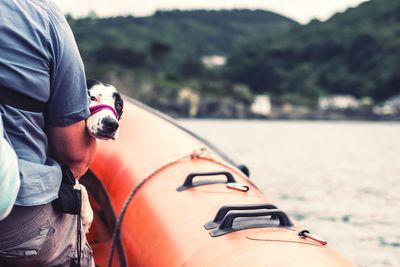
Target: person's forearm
pixel 79 164
pixel 73 146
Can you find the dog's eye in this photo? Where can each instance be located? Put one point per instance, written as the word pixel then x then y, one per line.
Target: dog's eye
pixel 93 98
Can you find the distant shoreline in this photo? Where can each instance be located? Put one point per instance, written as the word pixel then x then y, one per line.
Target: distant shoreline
pixel 299 118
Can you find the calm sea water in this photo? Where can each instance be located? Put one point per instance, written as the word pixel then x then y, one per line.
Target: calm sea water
pixel 341 180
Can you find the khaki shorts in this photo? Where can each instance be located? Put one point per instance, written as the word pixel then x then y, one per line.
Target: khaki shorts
pixel 39 236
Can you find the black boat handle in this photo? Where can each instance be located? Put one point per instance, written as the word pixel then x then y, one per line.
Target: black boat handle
pixel 225 209
pixel 227 222
pixel 226 225
pixel 189 179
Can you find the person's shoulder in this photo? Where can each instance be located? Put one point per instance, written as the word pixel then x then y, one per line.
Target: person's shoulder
pixel 54 12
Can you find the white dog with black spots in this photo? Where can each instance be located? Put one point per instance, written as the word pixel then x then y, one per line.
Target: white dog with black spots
pixel 106 106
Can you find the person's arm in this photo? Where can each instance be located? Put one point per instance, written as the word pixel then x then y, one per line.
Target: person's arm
pixel 72 146
pixel 67 108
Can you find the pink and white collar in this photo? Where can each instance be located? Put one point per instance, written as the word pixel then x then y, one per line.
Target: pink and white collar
pixel 100 107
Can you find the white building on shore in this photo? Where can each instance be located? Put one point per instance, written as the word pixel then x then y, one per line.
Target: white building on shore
pixel 338 102
pixel 261 105
pixel 390 107
pixel 213 61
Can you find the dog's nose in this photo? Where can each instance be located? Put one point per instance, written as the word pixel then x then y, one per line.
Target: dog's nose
pixel 110 124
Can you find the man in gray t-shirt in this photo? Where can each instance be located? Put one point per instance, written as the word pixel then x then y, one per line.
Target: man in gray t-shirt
pixel 40 60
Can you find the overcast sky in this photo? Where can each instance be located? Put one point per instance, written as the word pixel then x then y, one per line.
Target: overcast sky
pixel 301 10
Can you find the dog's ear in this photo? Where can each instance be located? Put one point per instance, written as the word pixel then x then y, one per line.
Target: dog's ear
pixel 119 104
pixel 90 83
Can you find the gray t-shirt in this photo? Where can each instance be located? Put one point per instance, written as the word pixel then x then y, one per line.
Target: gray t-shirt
pixel 39 58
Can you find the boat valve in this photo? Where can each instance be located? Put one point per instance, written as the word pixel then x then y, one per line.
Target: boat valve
pixel 306 234
pixel 237 186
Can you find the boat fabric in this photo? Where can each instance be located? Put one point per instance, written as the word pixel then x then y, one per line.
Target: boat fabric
pixel 9 176
pixel 39 58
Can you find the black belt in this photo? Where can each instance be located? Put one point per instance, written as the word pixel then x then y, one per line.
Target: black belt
pixel 17 100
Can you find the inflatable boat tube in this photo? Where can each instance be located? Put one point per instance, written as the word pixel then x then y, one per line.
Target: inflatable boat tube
pixel 193 207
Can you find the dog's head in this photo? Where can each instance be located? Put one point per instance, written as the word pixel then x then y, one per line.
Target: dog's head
pixel 106 106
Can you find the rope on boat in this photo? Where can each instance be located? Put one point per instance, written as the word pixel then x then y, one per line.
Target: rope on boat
pixel 201 153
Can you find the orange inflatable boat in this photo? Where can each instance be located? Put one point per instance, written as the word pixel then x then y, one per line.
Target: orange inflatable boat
pixel 164 197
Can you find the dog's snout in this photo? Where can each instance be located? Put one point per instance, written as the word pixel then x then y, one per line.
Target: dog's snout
pixel 110 124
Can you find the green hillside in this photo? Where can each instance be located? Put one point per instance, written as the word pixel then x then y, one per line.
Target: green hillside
pixel 154 58
pixel 356 52
pixel 169 40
